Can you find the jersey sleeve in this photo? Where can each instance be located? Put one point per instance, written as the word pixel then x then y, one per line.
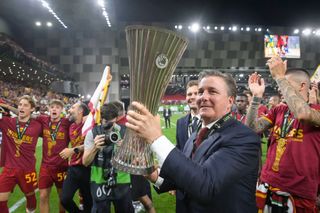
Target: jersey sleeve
pixel 270 116
pixel 3 121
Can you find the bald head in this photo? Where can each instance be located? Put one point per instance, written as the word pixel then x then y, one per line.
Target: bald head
pixel 299 76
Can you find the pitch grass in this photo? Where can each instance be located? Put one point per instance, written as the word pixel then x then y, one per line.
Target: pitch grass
pixel 164 203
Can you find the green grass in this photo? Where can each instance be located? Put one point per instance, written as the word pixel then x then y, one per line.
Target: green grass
pixel 164 203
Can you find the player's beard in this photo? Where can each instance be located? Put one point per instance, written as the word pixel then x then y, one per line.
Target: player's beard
pixel 72 118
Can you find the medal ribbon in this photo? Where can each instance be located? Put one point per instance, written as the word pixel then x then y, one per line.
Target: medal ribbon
pixel 20 134
pixel 53 133
pixel 286 125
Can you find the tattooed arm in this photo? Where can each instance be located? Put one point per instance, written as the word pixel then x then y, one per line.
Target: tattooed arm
pixel 256 85
pixel 258 125
pixel 296 103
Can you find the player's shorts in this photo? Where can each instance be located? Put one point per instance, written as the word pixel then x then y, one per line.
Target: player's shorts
pixel 50 175
pixel 140 187
pixel 27 180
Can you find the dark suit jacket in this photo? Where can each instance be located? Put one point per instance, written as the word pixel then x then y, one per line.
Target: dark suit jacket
pixel 222 175
pixel 182 131
pixel 165 114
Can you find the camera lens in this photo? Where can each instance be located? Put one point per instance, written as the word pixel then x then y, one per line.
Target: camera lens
pixel 114 137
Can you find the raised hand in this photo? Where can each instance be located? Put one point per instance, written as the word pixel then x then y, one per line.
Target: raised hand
pixel 144 123
pixel 256 85
pixel 277 67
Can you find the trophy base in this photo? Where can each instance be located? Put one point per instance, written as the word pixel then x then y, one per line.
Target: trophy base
pixel 132 169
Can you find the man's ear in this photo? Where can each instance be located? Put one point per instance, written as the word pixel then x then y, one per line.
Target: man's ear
pixel 231 101
pixel 303 86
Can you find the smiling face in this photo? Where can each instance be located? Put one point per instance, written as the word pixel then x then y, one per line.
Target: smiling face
pixel 191 97
pixel 213 100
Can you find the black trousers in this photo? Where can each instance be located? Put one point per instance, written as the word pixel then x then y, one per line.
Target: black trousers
pixel 78 177
pixel 121 205
pixel 167 122
pixel 140 187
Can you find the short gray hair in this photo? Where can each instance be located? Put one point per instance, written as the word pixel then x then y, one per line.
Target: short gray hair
pixel 227 78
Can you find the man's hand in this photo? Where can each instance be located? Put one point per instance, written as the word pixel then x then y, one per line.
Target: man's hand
pixel 153 176
pixel 313 93
pixel 277 67
pixel 256 85
pixel 144 123
pixel 66 153
pixel 172 192
pixel 99 141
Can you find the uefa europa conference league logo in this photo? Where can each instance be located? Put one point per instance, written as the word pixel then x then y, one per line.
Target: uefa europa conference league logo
pixel 162 61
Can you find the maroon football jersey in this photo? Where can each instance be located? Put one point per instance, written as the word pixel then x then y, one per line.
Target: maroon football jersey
pixel 55 139
pixel 19 153
pixel 293 163
pixel 76 139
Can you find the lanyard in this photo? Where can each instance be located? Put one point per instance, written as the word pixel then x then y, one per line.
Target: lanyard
pixel 53 134
pixel 20 134
pixel 217 125
pixel 286 124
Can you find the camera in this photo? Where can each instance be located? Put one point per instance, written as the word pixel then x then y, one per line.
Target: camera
pixel 110 136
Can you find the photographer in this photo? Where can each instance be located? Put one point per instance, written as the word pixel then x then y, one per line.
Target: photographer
pixel 107 184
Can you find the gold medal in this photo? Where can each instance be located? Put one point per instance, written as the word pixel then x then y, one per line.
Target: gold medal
pixel 281 147
pixel 18 141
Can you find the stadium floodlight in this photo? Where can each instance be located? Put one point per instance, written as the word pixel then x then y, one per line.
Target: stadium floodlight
pixel 38 23
pixel 46 5
pixel 176 27
pixel 208 27
pixel 180 27
pixel 234 28
pixel 241 28
pixel 222 28
pixel 195 27
pixel 100 3
pixel 247 29
pixel 318 32
pixel 306 32
pixel 259 29
pixel 241 75
pixel 49 24
pixel 215 27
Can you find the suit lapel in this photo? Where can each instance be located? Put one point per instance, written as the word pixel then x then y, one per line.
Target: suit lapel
pixel 186 126
pixel 187 150
pixel 205 145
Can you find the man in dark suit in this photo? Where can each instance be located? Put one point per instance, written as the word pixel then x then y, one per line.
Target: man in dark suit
pixel 187 124
pixel 185 127
pixel 166 116
pixel 217 172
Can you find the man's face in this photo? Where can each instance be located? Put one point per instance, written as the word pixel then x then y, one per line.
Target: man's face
pixel 55 111
pixel 24 108
pixel 74 112
pixel 273 102
pixel 191 97
pixel 242 103
pixel 213 101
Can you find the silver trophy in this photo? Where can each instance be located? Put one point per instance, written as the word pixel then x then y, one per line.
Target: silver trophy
pixel 153 56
